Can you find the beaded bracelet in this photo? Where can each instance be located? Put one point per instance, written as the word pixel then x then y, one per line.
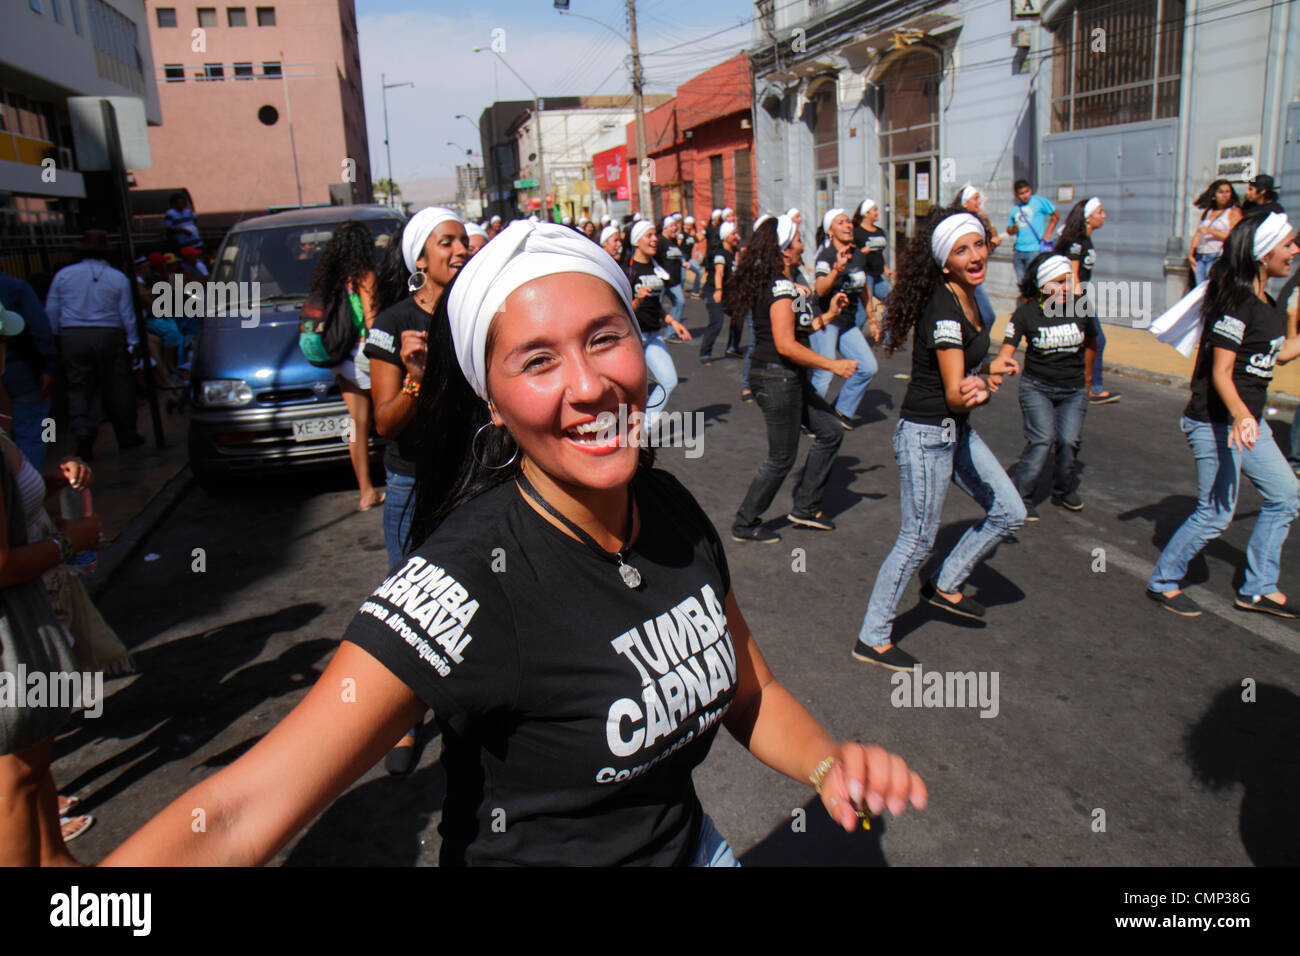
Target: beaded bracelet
pixel 410 387
pixel 64 544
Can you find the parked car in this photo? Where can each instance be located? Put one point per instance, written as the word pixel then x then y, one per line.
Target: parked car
pixel 256 402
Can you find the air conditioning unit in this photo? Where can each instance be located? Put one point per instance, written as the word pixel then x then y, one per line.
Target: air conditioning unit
pixel 1020 37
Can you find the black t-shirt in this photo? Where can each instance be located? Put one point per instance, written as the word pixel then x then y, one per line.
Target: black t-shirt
pixel 1082 252
pixel 384 344
pixel 1256 335
pixel 720 255
pixel 573 710
pixel 1053 346
pixel 764 343
pixel 687 243
pixel 670 257
pixel 942 325
pixel 650 310
pixel 851 281
pixel 1268 205
pixel 873 243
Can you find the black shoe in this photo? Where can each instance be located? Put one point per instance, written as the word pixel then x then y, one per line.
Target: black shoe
pixel 757 535
pixel 1179 604
pixel 735 353
pixel 1031 513
pixel 706 361
pixel 1072 501
pixel 892 659
pixel 1102 398
pixel 400 760
pixel 747 397
pixel 1264 605
pixel 845 421
pixel 966 607
pixel 817 522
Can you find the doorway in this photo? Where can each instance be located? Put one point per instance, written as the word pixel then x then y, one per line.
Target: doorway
pixel 910 185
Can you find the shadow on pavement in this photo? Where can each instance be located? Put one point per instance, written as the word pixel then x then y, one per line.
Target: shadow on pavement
pixel 821 844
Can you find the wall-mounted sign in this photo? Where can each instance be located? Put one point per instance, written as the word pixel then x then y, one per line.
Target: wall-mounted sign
pixel 1026 9
pixel 922 187
pixel 525 184
pixel 610 169
pixel 1065 193
pixel 1237 160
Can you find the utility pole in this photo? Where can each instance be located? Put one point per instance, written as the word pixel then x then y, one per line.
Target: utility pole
pixel 288 109
pixel 642 181
pixel 383 82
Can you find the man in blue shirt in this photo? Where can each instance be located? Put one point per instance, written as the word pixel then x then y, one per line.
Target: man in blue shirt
pixel 29 368
pixel 92 309
pixel 180 222
pixel 1032 222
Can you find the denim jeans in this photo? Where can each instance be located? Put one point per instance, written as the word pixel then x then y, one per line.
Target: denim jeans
pixel 1052 413
pixel 30 411
pixel 787 400
pixel 852 344
pixel 713 848
pixel 1203 262
pixel 928 457
pixel 1095 384
pixel 660 363
pixel 735 329
pixel 397 516
pixel 676 300
pixel 985 306
pixel 1218 479
pixel 1020 262
pixel 697 271
pixel 749 352
pixel 716 318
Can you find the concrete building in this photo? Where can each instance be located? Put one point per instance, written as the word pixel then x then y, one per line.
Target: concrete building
pixel 229 105
pixel 51 50
pixel 700 145
pixel 1127 100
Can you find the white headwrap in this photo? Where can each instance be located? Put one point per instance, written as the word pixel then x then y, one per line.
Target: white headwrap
pixel 716 214
pixel 792 212
pixel 1090 206
pixel 677 216
pixel 866 204
pixel 1270 232
pixel 1050 268
pixel 726 229
pixel 785 231
pixel 761 219
pixel 605 220
pixel 947 233
pixel 607 233
pixel 567 221
pixel 522 252
pixel 474 229
pixel 418 231
pixel 968 193
pixel 728 212
pixel 495 219
pixel 690 219
pixel 830 217
pixel 639 231
pixel 583 221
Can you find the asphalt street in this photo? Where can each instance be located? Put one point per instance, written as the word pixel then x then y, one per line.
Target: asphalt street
pixel 1120 735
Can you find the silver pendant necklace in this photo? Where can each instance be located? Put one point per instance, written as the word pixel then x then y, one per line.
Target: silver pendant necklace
pixel 630 575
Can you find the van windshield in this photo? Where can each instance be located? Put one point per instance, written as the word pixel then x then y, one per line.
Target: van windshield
pixel 283 259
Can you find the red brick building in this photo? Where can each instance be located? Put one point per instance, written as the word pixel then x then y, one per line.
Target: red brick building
pixel 701 147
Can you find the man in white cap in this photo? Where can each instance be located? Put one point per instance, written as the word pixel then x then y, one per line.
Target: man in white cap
pixel 494 226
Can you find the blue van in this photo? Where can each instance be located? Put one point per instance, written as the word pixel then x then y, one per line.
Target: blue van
pixel 256 402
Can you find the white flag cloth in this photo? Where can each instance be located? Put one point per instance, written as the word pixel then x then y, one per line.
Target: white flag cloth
pixel 1180 324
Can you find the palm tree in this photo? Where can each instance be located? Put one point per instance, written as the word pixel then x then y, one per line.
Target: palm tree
pixel 388 189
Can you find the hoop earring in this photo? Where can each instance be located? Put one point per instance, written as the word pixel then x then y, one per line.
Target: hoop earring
pixel 412 286
pixel 661 401
pixel 473 451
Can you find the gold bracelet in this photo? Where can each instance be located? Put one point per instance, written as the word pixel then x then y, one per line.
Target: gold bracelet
pixel 819 774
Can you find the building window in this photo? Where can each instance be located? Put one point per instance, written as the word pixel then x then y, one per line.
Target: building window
pixel 76 17
pixel 909 105
pixel 166 16
pixel 207 16
pixel 826 136
pixel 236 17
pixel 1116 63
pixel 174 73
pixel 116 40
pixel 243 71
pixel 271 69
pixel 266 16
pixel 717 186
pixel 213 71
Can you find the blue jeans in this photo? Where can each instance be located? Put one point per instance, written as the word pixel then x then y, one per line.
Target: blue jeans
pixel 1052 413
pixel 696 271
pixel 985 306
pixel 676 301
pixel 1218 478
pixel 1095 385
pixel 716 318
pixel 749 352
pixel 713 849
pixel 929 456
pixel 664 372
pixel 852 344
pixel 1203 262
pixel 397 516
pixel 1020 262
pixel 30 411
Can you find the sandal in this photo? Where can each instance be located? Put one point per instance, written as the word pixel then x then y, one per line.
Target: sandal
pixel 73 827
pixel 747 396
pixel 67 803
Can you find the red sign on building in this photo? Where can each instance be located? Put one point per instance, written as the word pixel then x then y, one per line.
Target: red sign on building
pixel 610 168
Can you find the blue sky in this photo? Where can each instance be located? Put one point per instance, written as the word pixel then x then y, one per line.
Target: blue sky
pixel 431 44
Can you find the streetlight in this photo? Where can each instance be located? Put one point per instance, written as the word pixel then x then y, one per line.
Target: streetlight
pixel 389 86
pixel 537 119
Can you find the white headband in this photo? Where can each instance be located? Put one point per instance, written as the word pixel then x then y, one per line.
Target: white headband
pixel 792 212
pixel 566 221
pixel 605 220
pixel 495 219
pixel 474 229
pixel 830 217
pixel 968 193
pixel 866 204
pixel 726 229
pixel 690 219
pixel 728 212
pixel 607 233
pixel 419 229
pixel 676 216
pixel 1270 232
pixel 522 252
pixel 639 231
pixel 1090 206
pixel 785 231
pixel 716 214
pixel 1051 268
pixel 761 219
pixel 947 233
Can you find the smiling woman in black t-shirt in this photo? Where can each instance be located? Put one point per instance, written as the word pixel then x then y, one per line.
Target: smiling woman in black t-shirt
pixel 569 616
pixel 934 298
pixel 1242 339
pixel 1053 396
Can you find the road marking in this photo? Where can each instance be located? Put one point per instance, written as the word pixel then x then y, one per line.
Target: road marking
pixel 1270 629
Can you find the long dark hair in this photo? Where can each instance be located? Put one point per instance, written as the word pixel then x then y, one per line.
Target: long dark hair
pixel 1075 228
pixel 1029 282
pixel 1231 283
pixel 915 280
pixel 1206 200
pixel 349 256
pixel 758 264
pixel 392 275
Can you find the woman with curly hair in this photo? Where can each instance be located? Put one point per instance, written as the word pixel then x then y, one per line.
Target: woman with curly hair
pixel 1075 243
pixel 347 268
pixel 1220 211
pixel 764 281
pixel 934 294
